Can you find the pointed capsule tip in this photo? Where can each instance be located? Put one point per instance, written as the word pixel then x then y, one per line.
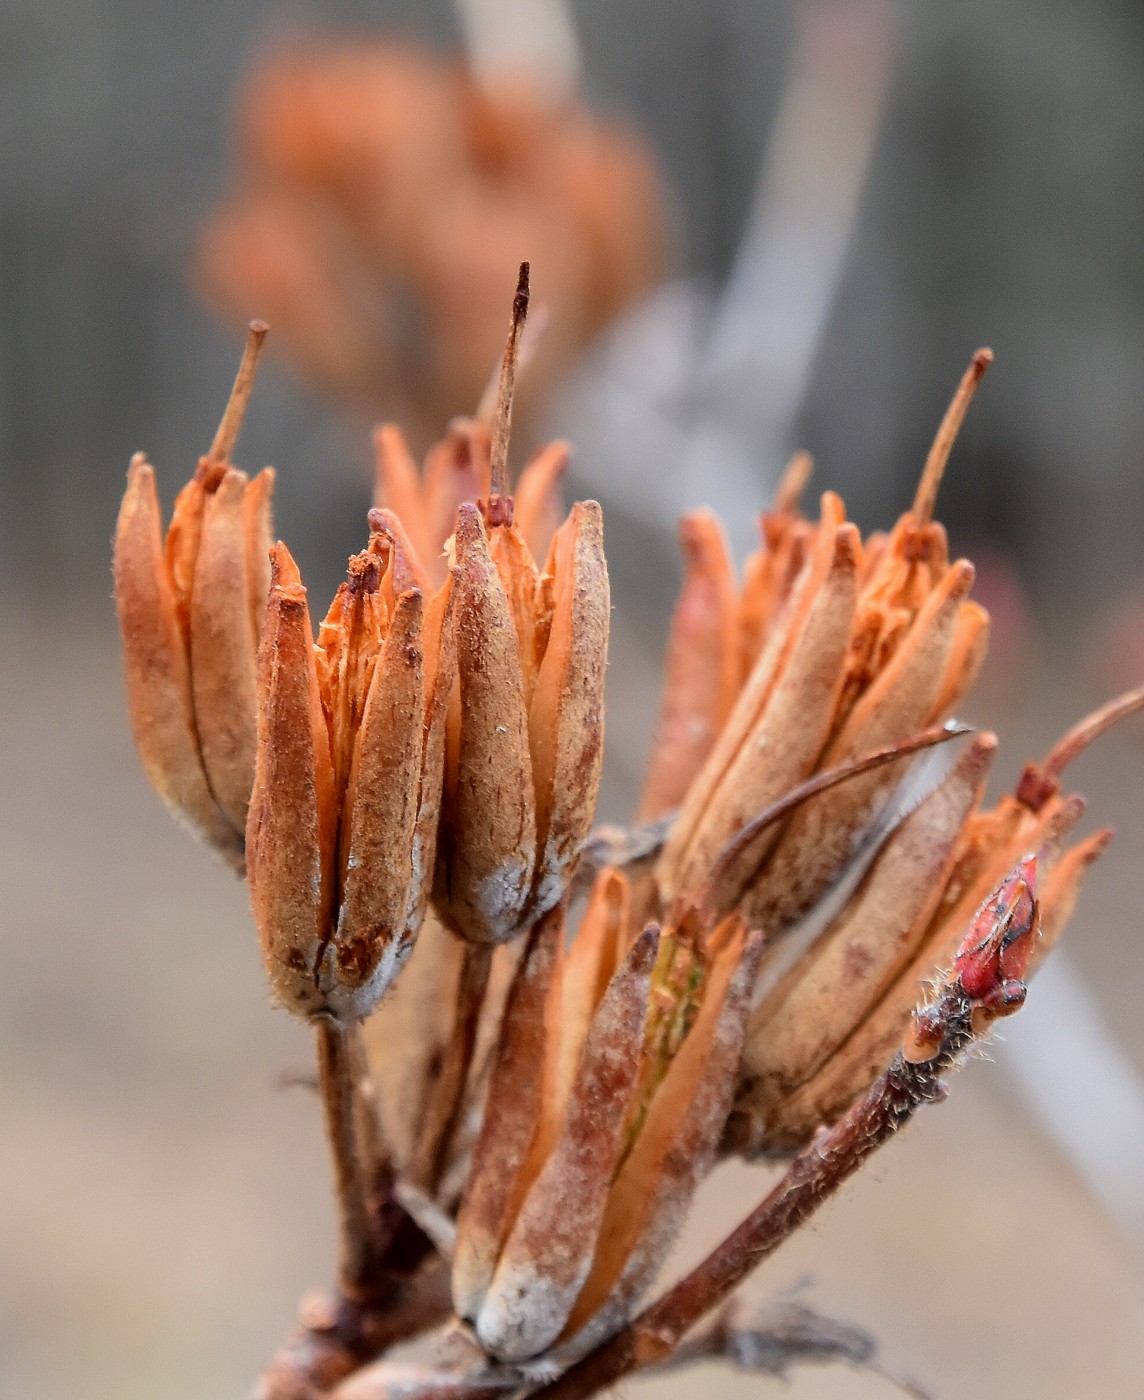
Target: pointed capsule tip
pixel 792 483
pixel 645 949
pixel 847 547
pixel 284 572
pixel 469 523
pixel 523 293
pixel 138 469
pixel 588 515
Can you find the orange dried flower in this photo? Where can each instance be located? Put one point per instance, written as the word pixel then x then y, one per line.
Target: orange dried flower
pixel 613 1079
pixel 851 647
pixel 382 190
pixel 190 613
pixel 825 927
pixel 525 730
pixel 343 817
pixel 835 1006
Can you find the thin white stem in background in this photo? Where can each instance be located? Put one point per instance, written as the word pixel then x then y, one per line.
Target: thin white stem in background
pixel 532 39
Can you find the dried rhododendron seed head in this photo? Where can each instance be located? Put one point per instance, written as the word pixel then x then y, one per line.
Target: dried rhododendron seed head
pixel 525 729
pixel 382 189
pixel 815 919
pixel 190 612
pixel 849 647
pixel 343 819
pixel 703 663
pixel 807 1012
pixel 967 909
pixel 614 1074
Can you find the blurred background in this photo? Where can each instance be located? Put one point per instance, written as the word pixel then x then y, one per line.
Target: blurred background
pixel 753 227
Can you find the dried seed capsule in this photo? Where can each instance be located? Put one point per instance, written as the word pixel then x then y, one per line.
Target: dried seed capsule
pixel 993 844
pixel 792 724
pixel 548 1252
pixel 835 984
pixel 343 818
pixel 675 1147
pixel 525 732
pixel 190 613
pixel 900 702
pixel 702 667
pixel 615 1072
pixel 291 832
pixel 488 840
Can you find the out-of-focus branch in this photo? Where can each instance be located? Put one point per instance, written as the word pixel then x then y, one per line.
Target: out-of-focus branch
pixel 771 1337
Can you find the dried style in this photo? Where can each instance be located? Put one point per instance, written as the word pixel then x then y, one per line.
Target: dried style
pixel 534 1042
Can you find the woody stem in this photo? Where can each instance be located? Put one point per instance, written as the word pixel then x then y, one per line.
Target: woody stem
pixel 336 1080
pixel 813 1176
pixel 448 1098
pixel 372 1150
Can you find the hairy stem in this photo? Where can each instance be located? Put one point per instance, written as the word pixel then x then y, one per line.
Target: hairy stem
pixel 444 1109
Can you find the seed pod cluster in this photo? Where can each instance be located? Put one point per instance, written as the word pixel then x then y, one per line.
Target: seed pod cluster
pixel 380 190
pixel 526 727
pixel 553 1090
pixel 343 818
pixel 844 646
pixel 613 1078
pixel 190 613
pixel 825 1030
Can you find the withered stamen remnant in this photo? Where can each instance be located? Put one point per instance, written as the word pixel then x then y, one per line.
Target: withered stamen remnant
pixel 231 423
pixel 925 499
pixel 191 607
pixel 1041 781
pixel 502 414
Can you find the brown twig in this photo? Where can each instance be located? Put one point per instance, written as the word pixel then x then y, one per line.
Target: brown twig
pixel 1041 781
pixel 373 1155
pixel 389 1288
pixel 338 1334
pixel 446 1105
pixel 812 1178
pixel 357 1253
